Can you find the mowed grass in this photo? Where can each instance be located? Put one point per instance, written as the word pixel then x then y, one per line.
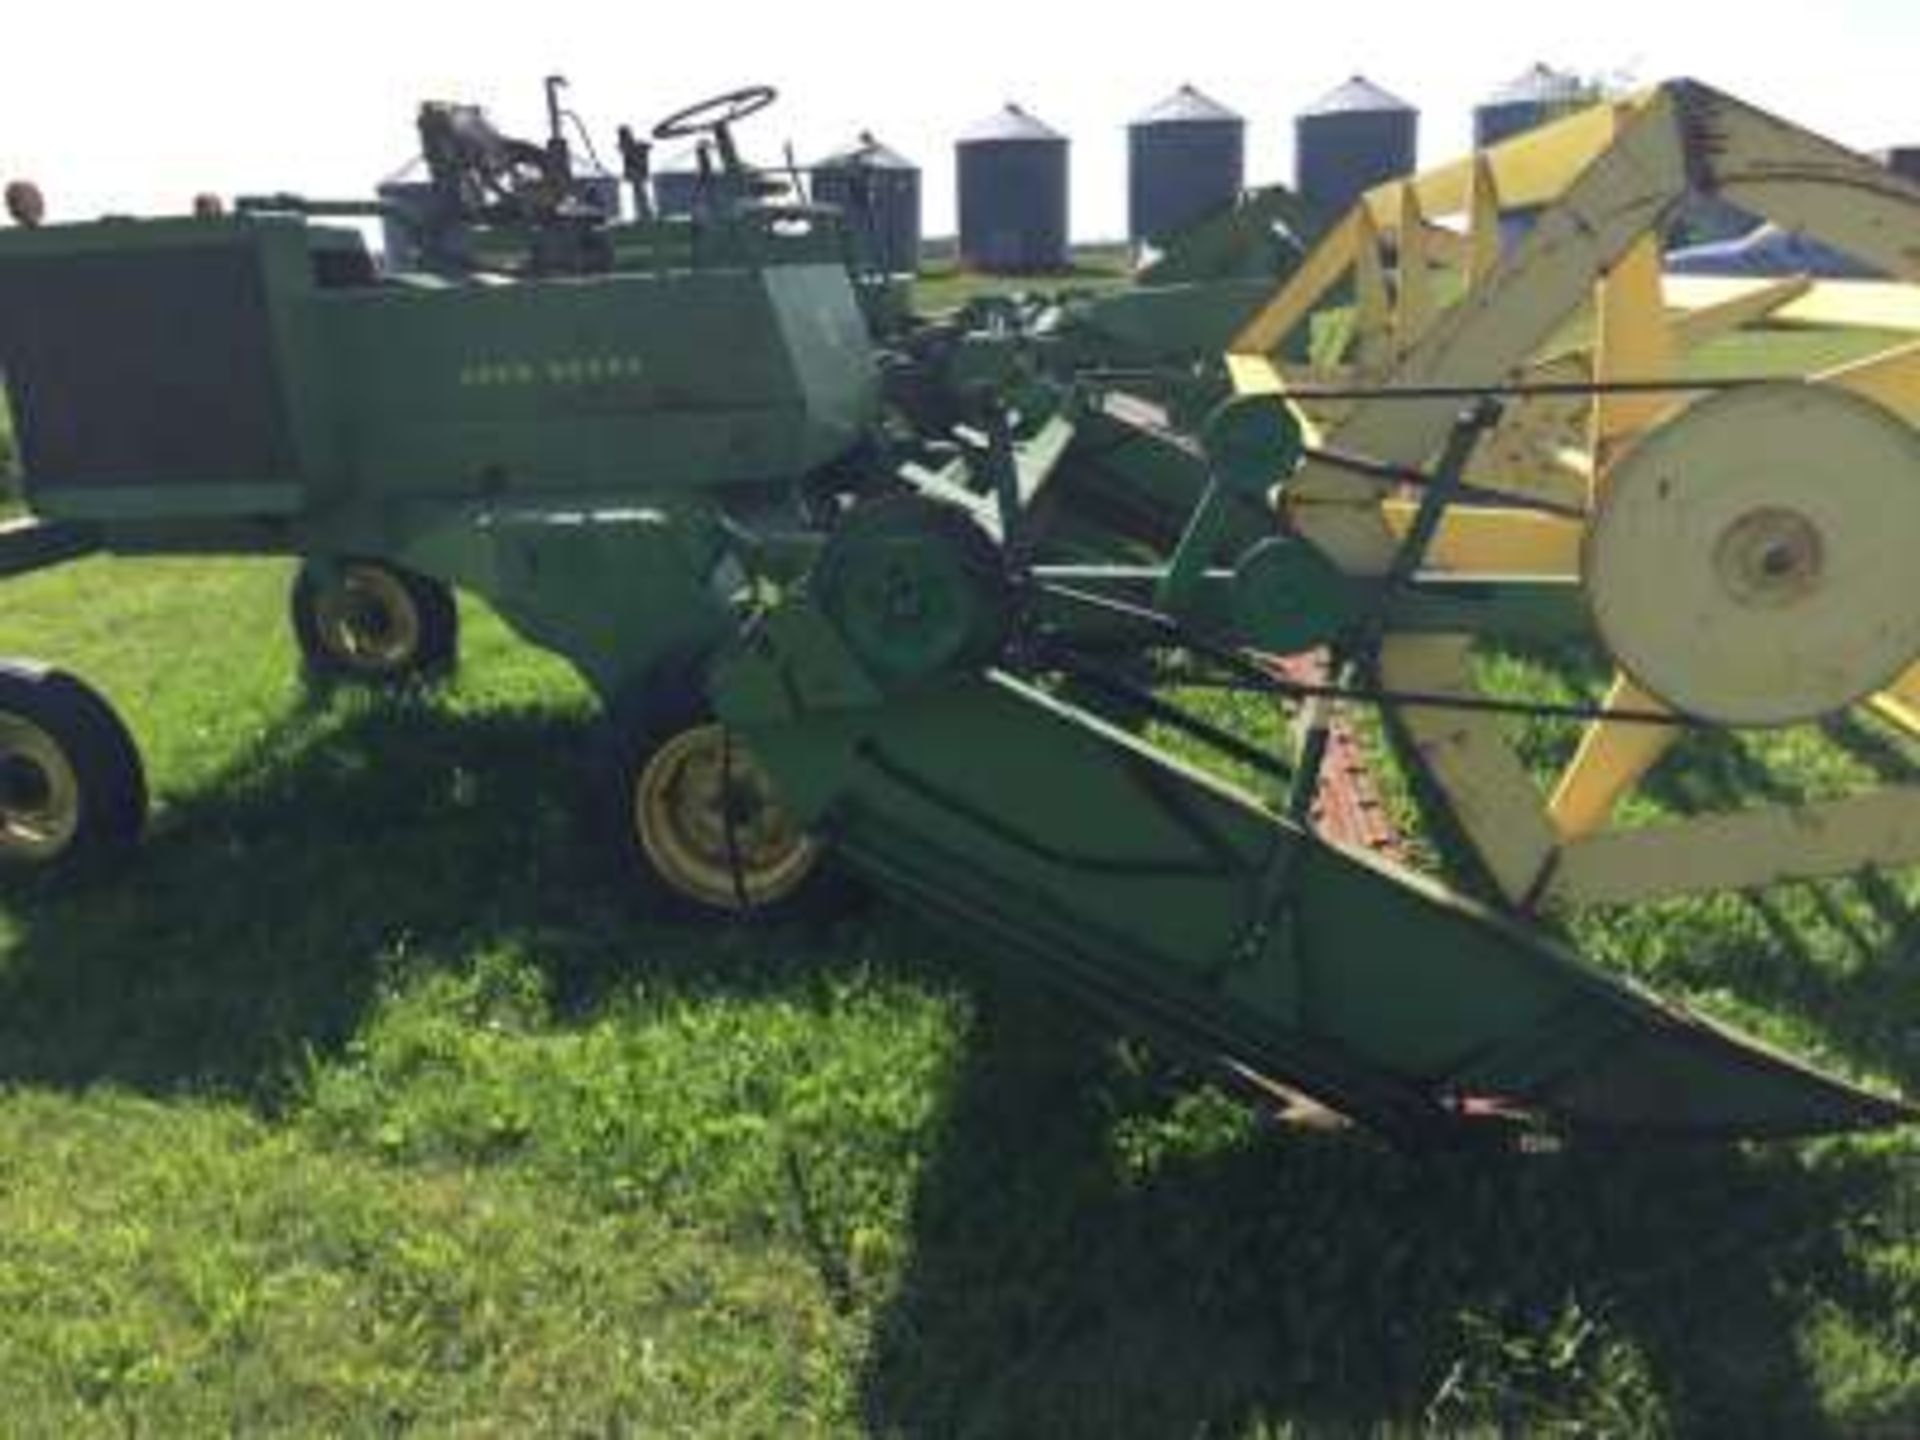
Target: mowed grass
pixel 363 1103
pixel 362 1099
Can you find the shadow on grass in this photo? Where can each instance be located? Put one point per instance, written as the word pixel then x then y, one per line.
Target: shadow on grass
pixel 1054 1287
pixel 251 928
pixel 356 840
pixel 1298 1278
pixel 1839 955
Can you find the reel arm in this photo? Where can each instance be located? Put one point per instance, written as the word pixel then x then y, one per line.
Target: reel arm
pixel 1599 190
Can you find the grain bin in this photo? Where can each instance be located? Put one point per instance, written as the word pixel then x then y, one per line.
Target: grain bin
pixel 1186 158
pixel 1903 160
pixel 1353 139
pixel 684 191
pixel 878 190
pixel 1539 97
pixel 676 188
pixel 1013 195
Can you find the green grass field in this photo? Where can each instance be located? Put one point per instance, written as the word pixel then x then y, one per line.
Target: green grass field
pixel 362 1103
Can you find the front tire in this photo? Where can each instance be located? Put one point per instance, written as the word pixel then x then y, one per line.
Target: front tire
pixel 72 789
pixel 371 623
pixel 694 821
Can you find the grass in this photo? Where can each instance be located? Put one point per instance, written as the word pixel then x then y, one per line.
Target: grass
pixel 378 1103
pixel 186 1269
pixel 363 1103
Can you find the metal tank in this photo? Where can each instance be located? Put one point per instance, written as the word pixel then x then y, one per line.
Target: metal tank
pixel 1186 158
pixel 676 188
pixel 683 192
pixel 1537 97
pixel 1352 139
pixel 1013 195
pixel 1528 101
pixel 878 190
pixel 1903 160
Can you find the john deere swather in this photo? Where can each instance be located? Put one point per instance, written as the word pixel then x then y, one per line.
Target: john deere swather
pixel 867 590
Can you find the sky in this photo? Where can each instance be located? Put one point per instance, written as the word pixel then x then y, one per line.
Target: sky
pixel 135 108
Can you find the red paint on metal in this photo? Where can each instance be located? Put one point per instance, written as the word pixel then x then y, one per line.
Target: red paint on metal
pixel 1349 809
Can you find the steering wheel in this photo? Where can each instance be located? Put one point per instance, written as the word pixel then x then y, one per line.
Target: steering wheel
pixel 716 114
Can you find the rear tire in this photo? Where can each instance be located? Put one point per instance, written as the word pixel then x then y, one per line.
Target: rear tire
pixel 371 623
pixel 72 789
pixel 692 819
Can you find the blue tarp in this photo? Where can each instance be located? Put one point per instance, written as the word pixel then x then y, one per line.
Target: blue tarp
pixel 1769 250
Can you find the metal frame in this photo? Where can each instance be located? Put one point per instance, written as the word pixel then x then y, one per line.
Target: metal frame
pixel 1599 189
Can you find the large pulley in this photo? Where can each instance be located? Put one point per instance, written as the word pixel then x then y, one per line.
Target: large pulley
pixel 1752 561
pixel 916 588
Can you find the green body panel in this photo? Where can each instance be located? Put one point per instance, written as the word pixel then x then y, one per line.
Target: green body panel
pixel 1263 234
pixel 617 591
pixel 547 446
pixel 277 256
pixel 1138 483
pixel 612 383
pixel 1165 324
pixel 608 382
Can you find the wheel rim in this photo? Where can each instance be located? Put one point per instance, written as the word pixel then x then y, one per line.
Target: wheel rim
pixel 682 799
pixel 39 793
pixel 368 621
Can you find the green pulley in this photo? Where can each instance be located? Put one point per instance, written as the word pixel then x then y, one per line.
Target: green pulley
pixel 1253 443
pixel 916 589
pixel 1289 597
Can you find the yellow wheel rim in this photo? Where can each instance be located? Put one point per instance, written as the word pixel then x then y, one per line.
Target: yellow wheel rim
pixel 39 793
pixel 683 798
pixel 367 621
